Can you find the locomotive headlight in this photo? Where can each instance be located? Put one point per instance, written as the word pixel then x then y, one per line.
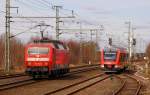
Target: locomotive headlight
pixel 102 66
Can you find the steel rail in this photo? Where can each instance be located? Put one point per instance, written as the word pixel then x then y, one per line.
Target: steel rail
pixel 12 76
pixel 23 74
pixel 16 84
pixel 77 83
pixel 137 88
pixel 138 82
pixel 31 81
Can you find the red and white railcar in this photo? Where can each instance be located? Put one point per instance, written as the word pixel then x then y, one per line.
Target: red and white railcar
pixel 113 60
pixel 46 57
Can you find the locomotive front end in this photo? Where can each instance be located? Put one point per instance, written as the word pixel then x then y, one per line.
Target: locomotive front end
pixel 37 60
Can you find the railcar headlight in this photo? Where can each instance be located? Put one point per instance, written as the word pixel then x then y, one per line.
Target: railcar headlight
pixel 116 66
pixel 29 63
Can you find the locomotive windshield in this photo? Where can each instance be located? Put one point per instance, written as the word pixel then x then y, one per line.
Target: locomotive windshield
pixel 38 50
pixel 110 56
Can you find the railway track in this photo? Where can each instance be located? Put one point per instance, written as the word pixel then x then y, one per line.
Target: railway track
pixel 30 80
pixel 84 66
pixel 12 76
pixel 77 87
pixel 130 86
pixel 17 84
pixel 23 74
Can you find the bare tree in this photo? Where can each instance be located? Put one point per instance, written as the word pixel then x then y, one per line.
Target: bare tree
pixel 16 52
pixel 74 48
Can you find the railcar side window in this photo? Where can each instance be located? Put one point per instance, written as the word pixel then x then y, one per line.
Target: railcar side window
pixel 123 57
pixel 38 50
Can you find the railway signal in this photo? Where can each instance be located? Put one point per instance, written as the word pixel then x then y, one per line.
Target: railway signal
pixel 134 42
pixel 110 41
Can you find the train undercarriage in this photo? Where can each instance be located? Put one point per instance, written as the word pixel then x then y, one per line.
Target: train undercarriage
pixel 37 72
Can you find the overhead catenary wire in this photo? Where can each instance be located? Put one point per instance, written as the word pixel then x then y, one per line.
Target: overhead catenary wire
pixel 24 31
pixel 48 2
pixel 43 3
pixel 2 11
pixel 31 6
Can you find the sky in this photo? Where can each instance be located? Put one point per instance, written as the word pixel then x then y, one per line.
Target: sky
pixel 111 14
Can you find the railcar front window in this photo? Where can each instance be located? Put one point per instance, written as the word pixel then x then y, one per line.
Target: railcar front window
pixel 110 56
pixel 38 50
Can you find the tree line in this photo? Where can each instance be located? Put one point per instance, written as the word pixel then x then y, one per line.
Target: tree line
pixel 80 52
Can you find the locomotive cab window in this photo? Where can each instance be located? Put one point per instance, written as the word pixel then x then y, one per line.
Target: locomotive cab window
pixel 56 45
pixel 61 47
pixel 38 50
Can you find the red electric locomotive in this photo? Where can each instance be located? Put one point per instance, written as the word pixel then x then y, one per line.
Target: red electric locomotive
pixel 113 60
pixel 46 57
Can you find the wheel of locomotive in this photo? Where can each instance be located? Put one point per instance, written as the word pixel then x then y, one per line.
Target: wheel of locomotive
pixel 68 70
pixel 56 73
pixel 65 70
pixel 35 77
pixel 49 74
pixel 52 73
pixel 62 71
pixel 59 72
